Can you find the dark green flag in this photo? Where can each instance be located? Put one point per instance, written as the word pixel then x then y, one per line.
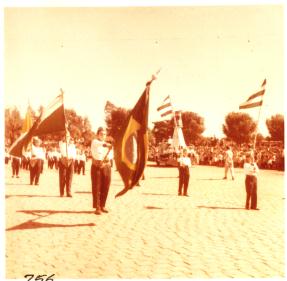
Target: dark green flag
pixel 131 147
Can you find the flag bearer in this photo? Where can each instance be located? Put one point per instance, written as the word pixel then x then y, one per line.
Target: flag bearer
pixel 100 171
pixel 66 164
pixel 36 161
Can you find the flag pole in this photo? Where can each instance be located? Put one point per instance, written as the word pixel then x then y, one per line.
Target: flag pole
pixel 62 93
pixel 256 132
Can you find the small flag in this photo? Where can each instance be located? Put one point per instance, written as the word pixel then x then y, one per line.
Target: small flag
pixel 132 145
pixel 255 99
pixel 166 107
pixel 28 121
pixel 51 120
pixel 23 141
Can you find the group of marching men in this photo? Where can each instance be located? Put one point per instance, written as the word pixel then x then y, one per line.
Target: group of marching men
pixel 33 160
pixel 68 161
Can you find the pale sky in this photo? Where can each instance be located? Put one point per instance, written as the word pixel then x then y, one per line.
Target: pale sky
pixel 212 58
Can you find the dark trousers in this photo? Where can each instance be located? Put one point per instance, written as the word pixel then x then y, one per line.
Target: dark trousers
pixel 15 166
pixel 81 166
pixel 76 166
pixel 65 177
pixel 183 180
pixel 101 180
pixel 251 192
pixel 35 171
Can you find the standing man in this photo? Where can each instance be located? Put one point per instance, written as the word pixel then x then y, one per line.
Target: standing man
pixel 100 171
pixel 228 157
pixel 184 165
pixel 36 161
pixel 251 170
pixel 16 161
pixel 66 164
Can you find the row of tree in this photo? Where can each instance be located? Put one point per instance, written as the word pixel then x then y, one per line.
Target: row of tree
pixel 79 127
pixel 238 127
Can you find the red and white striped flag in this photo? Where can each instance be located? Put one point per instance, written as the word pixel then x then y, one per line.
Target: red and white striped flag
pixel 255 99
pixel 166 107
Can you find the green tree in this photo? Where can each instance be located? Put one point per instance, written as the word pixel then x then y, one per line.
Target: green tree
pixel 162 130
pixel 193 127
pixel 13 125
pixel 79 127
pixel 239 127
pixel 275 126
pixel 115 119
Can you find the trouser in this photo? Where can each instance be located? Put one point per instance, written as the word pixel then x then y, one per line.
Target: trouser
pixel 76 166
pixel 81 166
pixel 251 192
pixel 183 180
pixel 229 166
pixel 50 163
pixel 101 180
pixel 65 177
pixel 15 166
pixel 56 163
pixel 35 171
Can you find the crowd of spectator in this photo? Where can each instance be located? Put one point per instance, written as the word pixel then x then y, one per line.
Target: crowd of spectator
pixel 268 155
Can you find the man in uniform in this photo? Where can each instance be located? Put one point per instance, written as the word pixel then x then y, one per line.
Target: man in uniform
pixel 66 165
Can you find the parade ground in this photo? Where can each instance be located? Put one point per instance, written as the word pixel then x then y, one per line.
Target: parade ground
pixel 150 232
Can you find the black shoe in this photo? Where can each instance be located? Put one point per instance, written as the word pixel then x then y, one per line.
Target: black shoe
pixel 104 210
pixel 69 195
pixel 179 194
pixel 186 195
pixel 254 209
pixel 225 178
pixel 17 177
pixel 36 184
pixel 98 212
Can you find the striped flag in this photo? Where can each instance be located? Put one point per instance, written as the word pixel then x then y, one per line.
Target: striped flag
pixel 166 107
pixel 255 99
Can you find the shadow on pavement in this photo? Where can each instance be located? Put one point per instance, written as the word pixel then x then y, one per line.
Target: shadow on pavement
pixel 8 183
pixel 158 194
pixel 164 177
pixel 210 179
pixel 153 208
pixel 33 225
pixel 222 208
pixel 25 195
pixel 83 192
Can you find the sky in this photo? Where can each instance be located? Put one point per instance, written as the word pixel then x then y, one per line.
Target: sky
pixel 212 58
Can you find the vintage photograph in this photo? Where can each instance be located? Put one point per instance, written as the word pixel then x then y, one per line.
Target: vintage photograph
pixel 143 140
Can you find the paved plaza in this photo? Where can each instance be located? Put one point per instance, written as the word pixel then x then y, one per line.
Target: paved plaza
pixel 150 232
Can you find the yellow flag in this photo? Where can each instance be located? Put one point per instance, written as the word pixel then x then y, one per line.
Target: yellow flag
pixel 28 122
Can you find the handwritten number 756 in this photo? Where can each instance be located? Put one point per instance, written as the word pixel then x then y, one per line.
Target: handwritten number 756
pixel 39 277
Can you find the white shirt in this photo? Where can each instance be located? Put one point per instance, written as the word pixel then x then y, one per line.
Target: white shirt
pixel 184 161
pixel 250 169
pixel 37 152
pixel 229 156
pixel 72 153
pixel 98 150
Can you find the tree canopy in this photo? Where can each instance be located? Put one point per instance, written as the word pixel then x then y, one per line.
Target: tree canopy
pixel 239 127
pixel 275 126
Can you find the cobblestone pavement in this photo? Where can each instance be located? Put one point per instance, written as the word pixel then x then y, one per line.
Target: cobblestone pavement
pixel 150 232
